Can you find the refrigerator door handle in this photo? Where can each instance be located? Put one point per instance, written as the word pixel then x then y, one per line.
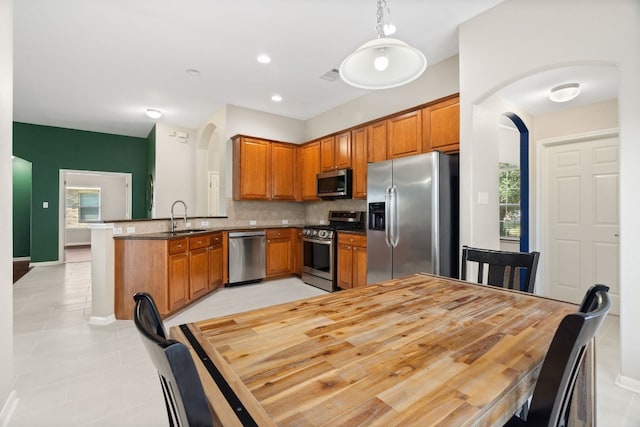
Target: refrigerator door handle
pixel 393 232
pixel 387 208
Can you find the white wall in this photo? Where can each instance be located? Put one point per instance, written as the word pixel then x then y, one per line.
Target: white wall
pixel 598 116
pixel 518 38
pixel 438 80
pixel 7 398
pixel 175 170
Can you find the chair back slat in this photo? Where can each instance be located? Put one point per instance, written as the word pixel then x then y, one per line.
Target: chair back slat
pixel 504 268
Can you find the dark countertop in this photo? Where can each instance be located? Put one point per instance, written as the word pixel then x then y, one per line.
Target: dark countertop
pixel 167 235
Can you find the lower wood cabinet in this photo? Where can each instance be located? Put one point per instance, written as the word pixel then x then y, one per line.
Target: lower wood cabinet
pixel 298 256
pixel 175 272
pixel 352 260
pixel 279 256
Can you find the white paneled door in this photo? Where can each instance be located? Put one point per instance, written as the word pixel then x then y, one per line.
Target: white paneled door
pixel 581 218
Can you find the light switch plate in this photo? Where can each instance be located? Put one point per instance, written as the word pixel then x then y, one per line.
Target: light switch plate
pixel 131 230
pixel 285 221
pixel 252 222
pixel 45 205
pixel 117 230
pixel 483 198
pixel 204 223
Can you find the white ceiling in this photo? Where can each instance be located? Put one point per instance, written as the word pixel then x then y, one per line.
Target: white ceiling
pixel 98 64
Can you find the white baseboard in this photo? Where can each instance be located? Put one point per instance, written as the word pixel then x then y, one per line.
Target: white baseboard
pixel 22 258
pixel 102 321
pixel 628 383
pixel 44 263
pixel 8 408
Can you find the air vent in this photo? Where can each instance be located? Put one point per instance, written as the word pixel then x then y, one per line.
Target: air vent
pixel 331 75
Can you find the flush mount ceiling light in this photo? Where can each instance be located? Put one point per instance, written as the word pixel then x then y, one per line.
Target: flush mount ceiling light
pixel 382 63
pixel 565 92
pixel 153 114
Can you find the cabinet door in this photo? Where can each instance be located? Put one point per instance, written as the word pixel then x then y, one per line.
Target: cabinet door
pixel 198 272
pixel 309 168
pixel 441 126
pixel 278 257
pixel 359 274
pixel 215 266
pixel 283 158
pixel 178 280
pixel 345 266
pixel 328 154
pixel 377 142
pixel 404 135
pixel 343 158
pixel 359 163
pixel 252 169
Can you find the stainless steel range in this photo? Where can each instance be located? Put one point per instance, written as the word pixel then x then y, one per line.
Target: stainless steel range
pixel 319 244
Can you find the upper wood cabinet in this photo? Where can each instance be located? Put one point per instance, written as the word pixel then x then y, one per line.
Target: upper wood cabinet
pixel 377 142
pixel 263 169
pixel 308 168
pixel 283 161
pixel 251 169
pixel 441 126
pixel 404 135
pixel 359 162
pixel 335 152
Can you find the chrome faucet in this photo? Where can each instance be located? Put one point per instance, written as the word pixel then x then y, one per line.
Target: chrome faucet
pixel 173 224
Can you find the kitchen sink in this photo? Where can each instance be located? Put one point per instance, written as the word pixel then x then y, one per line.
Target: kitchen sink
pixel 189 231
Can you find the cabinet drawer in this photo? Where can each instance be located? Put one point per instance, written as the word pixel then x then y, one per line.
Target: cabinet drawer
pixel 215 239
pixel 284 233
pixel 352 239
pixel 197 242
pixel 177 245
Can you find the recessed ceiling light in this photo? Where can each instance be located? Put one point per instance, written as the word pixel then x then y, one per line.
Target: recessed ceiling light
pixel 263 59
pixel 276 98
pixel 193 72
pixel 565 92
pixel 153 114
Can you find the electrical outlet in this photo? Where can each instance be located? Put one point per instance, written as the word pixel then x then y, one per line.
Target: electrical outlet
pixel 322 222
pixel 252 222
pixel 285 221
pixel 204 223
pixel 117 230
pixel 131 230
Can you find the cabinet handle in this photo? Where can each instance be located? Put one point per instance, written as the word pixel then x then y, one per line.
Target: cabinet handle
pixel 179 246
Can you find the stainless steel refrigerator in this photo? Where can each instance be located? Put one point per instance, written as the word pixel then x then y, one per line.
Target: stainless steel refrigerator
pixel 412 217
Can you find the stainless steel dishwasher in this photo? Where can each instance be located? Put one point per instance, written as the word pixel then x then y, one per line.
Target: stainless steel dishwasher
pixel 246 257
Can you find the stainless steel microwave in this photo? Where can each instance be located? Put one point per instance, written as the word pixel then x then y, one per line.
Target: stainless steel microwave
pixel 335 184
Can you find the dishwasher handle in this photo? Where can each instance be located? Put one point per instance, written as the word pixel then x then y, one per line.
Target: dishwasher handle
pixel 239 234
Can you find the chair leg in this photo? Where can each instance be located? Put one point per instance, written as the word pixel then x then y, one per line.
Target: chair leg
pixel 169 405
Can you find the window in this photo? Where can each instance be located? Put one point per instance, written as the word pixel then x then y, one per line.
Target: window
pixel 82 206
pixel 509 201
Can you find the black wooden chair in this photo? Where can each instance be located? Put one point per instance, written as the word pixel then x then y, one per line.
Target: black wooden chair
pixel 503 267
pixel 184 396
pixel 554 388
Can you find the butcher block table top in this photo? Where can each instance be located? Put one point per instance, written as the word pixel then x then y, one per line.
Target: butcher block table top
pixel 423 350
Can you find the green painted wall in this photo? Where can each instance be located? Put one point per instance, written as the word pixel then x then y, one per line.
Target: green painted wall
pixel 21 207
pixel 50 149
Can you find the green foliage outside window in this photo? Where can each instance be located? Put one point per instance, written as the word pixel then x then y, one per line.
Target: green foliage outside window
pixel 509 193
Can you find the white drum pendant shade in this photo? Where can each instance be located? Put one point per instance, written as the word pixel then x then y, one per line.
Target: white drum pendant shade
pixel 402 65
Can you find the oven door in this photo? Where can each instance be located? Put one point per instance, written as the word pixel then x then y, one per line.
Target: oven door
pixel 318 257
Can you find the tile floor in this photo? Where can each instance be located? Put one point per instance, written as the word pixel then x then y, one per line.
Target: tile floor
pixel 71 374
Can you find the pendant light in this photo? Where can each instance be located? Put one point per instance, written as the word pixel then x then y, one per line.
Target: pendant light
pixel 382 63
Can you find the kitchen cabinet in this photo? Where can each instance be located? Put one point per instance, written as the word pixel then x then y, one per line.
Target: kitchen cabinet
pixel 216 255
pixel 178 280
pixel 404 135
pixel 198 266
pixel 377 142
pixel 279 252
pixel 298 256
pixel 283 162
pixel 309 167
pixel 251 169
pixel 352 260
pixel 441 126
pixel 175 271
pixel 263 169
pixel 335 152
pixel 359 162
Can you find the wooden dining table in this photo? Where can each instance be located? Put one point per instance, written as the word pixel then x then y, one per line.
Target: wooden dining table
pixel 422 350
